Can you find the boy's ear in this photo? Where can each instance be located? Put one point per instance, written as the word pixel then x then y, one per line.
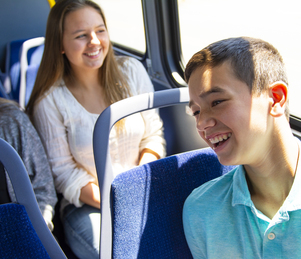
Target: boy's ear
pixel 278 96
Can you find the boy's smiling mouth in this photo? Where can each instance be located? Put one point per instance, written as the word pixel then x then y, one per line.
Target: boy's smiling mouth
pixel 218 140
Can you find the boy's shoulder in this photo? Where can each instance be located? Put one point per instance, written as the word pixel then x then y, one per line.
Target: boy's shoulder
pixel 213 191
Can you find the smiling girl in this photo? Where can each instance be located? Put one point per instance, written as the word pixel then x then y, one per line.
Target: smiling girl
pixel 78 78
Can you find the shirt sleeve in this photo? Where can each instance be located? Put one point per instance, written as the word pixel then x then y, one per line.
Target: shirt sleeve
pixel 153 137
pixel 69 176
pixel 194 242
pixel 20 133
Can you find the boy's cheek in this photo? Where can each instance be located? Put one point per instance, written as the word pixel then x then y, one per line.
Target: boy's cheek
pixel 202 135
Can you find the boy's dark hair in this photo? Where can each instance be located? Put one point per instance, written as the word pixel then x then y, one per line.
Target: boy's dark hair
pixel 254 62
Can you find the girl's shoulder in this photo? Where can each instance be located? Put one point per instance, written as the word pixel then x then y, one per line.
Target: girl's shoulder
pixel 53 90
pixel 53 96
pixel 128 63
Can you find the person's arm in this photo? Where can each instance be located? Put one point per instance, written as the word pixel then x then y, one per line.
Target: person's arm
pixel 90 195
pixel 147 156
pixel 152 146
pixel 20 133
pixel 69 177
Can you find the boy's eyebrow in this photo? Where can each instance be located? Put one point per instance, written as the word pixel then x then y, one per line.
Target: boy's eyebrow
pixel 215 89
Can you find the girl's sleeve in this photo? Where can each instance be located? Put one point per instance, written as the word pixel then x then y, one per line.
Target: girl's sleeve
pixel 153 137
pixel 36 163
pixel 68 176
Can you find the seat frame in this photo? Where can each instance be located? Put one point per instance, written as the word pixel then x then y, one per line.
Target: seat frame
pixel 28 44
pixel 25 196
pixel 103 126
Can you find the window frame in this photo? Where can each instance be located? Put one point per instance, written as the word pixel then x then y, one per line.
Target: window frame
pixel 163 55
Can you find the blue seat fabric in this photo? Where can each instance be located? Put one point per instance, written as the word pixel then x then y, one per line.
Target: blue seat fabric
pixel 34 56
pixel 148 202
pixel 12 67
pixel 14 219
pixel 31 75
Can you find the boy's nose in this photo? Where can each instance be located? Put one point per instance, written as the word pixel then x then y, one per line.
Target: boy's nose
pixel 204 122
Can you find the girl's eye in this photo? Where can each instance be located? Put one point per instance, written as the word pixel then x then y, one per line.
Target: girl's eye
pixel 80 36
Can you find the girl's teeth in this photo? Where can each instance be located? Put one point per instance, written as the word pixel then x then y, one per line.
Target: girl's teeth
pixel 93 53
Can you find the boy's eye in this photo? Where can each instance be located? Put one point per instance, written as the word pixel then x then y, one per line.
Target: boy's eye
pixel 195 113
pixel 214 103
pixel 190 112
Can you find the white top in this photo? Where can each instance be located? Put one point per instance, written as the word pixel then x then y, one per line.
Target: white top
pixel 66 130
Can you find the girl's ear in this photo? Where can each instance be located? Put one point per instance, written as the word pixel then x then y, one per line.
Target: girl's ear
pixel 278 92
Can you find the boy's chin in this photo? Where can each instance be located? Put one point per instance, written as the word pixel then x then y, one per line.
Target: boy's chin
pixel 225 160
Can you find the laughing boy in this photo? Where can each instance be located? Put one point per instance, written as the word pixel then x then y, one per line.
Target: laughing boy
pixel 239 97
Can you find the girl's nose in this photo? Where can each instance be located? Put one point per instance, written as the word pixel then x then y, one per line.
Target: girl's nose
pixel 94 39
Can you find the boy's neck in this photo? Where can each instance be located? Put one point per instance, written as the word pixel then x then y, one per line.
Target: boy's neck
pixel 270 183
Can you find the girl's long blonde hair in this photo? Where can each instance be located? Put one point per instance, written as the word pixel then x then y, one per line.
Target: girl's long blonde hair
pixel 55 66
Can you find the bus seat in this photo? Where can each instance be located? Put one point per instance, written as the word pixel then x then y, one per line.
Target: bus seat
pixel 31 75
pixel 28 70
pixel 18 53
pixel 24 19
pixel 102 128
pixel 23 231
pixel 5 84
pixel 12 68
pixel 148 201
pixel 3 93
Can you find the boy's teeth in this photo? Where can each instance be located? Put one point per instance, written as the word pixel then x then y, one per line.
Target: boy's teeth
pixel 219 138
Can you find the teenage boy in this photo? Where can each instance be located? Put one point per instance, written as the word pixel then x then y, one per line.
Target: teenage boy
pixel 239 97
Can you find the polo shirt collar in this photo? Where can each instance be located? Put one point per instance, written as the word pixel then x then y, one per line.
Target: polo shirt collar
pixel 241 194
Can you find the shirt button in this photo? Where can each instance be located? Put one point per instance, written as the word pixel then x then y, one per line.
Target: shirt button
pixel 271 236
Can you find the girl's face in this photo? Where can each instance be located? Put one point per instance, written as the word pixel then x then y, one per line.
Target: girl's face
pixel 85 39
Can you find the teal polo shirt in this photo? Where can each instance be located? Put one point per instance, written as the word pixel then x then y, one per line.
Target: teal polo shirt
pixel 221 221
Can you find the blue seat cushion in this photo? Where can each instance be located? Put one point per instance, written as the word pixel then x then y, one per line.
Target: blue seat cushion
pixel 148 202
pixel 17 235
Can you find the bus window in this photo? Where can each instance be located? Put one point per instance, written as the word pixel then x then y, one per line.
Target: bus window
pixel 205 21
pixel 125 23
